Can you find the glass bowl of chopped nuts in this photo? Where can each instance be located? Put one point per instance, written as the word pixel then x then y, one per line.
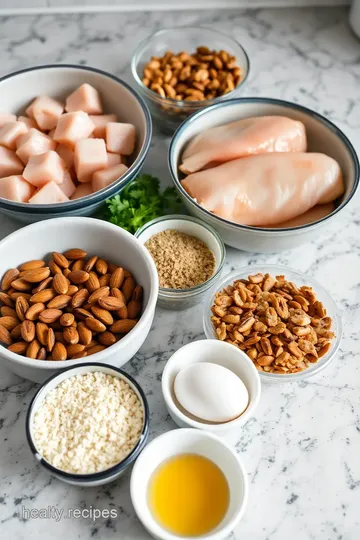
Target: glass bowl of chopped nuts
pixel 181 70
pixel 285 321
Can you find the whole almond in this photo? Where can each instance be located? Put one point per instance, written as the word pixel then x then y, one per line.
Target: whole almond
pixel 103 315
pixel 59 302
pixel 99 293
pixel 6 300
pixel 82 314
pixel 19 347
pixel 110 303
pixel 21 307
pixel 42 296
pixel 128 287
pixel 117 278
pixel 112 267
pixel 92 283
pixel 67 319
pixel 104 280
pixel 107 339
pixel 60 284
pixel 42 332
pixel 89 265
pixel 78 276
pixel 122 313
pixel 75 349
pixel 134 309
pixel 36 275
pixel 49 316
pixel 9 322
pixel 28 331
pixel 34 311
pixel 33 349
pixel 138 293
pixel 72 290
pixel 85 334
pixel 31 265
pixel 46 284
pixel 77 265
pixel 8 278
pixel 74 254
pixel 8 311
pixel 79 355
pixel 101 266
pixel 50 339
pixel 95 349
pixel 118 294
pixel 123 327
pixel 59 352
pixel 5 338
pixel 42 354
pixel 79 298
pixel 21 285
pixel 66 272
pixel 16 332
pixel 15 295
pixel 55 268
pixel 95 325
pixel 71 335
pixel 60 259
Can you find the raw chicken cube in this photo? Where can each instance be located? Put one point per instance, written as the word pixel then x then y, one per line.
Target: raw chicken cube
pixel 85 98
pixel 105 177
pixel 66 154
pixel 44 168
pixel 50 193
pixel 9 163
pixel 89 156
pixel 6 117
pixel 100 121
pixel 10 132
pixel 82 191
pixel 73 127
pixel 33 143
pixel 115 159
pixel 51 133
pixel 15 188
pixel 29 122
pixel 120 138
pixel 67 185
pixel 46 111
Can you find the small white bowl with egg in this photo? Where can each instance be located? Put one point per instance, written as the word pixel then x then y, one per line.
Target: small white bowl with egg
pixel 210 385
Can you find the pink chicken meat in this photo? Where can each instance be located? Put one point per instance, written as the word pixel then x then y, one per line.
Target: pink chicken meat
pixel 244 137
pixel 266 189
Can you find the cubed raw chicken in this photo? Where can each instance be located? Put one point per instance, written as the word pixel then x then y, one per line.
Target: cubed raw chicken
pixel 29 122
pixel 244 137
pixel 85 98
pixel 67 185
pixel 50 193
pixel 105 177
pixel 120 138
pixel 33 143
pixel 266 189
pixel 100 121
pixel 115 159
pixel 82 191
pixel 46 111
pixel 6 117
pixel 51 133
pixel 9 163
pixel 73 127
pixel 89 156
pixel 44 168
pixel 10 132
pixel 66 154
pixel 15 188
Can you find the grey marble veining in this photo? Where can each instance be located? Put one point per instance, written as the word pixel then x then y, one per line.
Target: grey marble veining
pixel 301 450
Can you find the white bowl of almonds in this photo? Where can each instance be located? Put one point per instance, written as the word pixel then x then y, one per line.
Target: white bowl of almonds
pixel 73 289
pixel 285 321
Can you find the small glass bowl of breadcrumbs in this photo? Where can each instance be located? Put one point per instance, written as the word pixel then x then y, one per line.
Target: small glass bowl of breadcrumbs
pixel 189 256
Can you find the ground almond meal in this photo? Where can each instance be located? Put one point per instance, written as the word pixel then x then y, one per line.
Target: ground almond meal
pixel 182 261
pixel 88 423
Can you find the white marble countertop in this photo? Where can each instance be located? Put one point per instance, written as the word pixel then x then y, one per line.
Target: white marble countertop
pixel 301 450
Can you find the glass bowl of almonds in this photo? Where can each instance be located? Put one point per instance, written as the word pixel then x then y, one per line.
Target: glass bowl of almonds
pixel 285 321
pixel 181 70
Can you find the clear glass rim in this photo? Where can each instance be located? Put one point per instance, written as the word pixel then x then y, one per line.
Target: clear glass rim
pixel 244 271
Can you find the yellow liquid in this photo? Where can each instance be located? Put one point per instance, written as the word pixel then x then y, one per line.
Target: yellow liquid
pixel 188 495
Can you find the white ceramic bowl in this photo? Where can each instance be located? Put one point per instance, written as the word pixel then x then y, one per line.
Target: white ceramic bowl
pixel 98 238
pixel 185 298
pixel 18 89
pixel 181 441
pixel 216 352
pixel 323 136
pixel 108 475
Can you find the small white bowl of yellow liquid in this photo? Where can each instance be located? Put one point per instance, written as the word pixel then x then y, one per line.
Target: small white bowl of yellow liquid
pixel 189 483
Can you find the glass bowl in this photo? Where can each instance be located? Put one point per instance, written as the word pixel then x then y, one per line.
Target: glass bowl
pixel 169 113
pixel 178 299
pixel 299 279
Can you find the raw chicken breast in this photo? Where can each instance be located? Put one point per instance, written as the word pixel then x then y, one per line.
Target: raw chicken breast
pixel 50 193
pixel 82 191
pixel 314 214
pixel 100 121
pixel 73 127
pixel 33 143
pixel 120 138
pixel 105 177
pixel 266 189
pixel 6 117
pixel 85 98
pixel 44 168
pixel 10 132
pixel 16 189
pixel 46 111
pixel 244 137
pixel 9 163
pixel 89 156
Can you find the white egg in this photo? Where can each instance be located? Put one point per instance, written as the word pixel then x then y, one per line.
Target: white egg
pixel 211 392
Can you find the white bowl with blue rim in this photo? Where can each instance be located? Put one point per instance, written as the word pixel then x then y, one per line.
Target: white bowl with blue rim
pixel 323 136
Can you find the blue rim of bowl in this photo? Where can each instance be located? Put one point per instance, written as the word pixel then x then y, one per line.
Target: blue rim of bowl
pixel 107 472
pixel 185 104
pixel 270 101
pixel 114 188
pixel 212 279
